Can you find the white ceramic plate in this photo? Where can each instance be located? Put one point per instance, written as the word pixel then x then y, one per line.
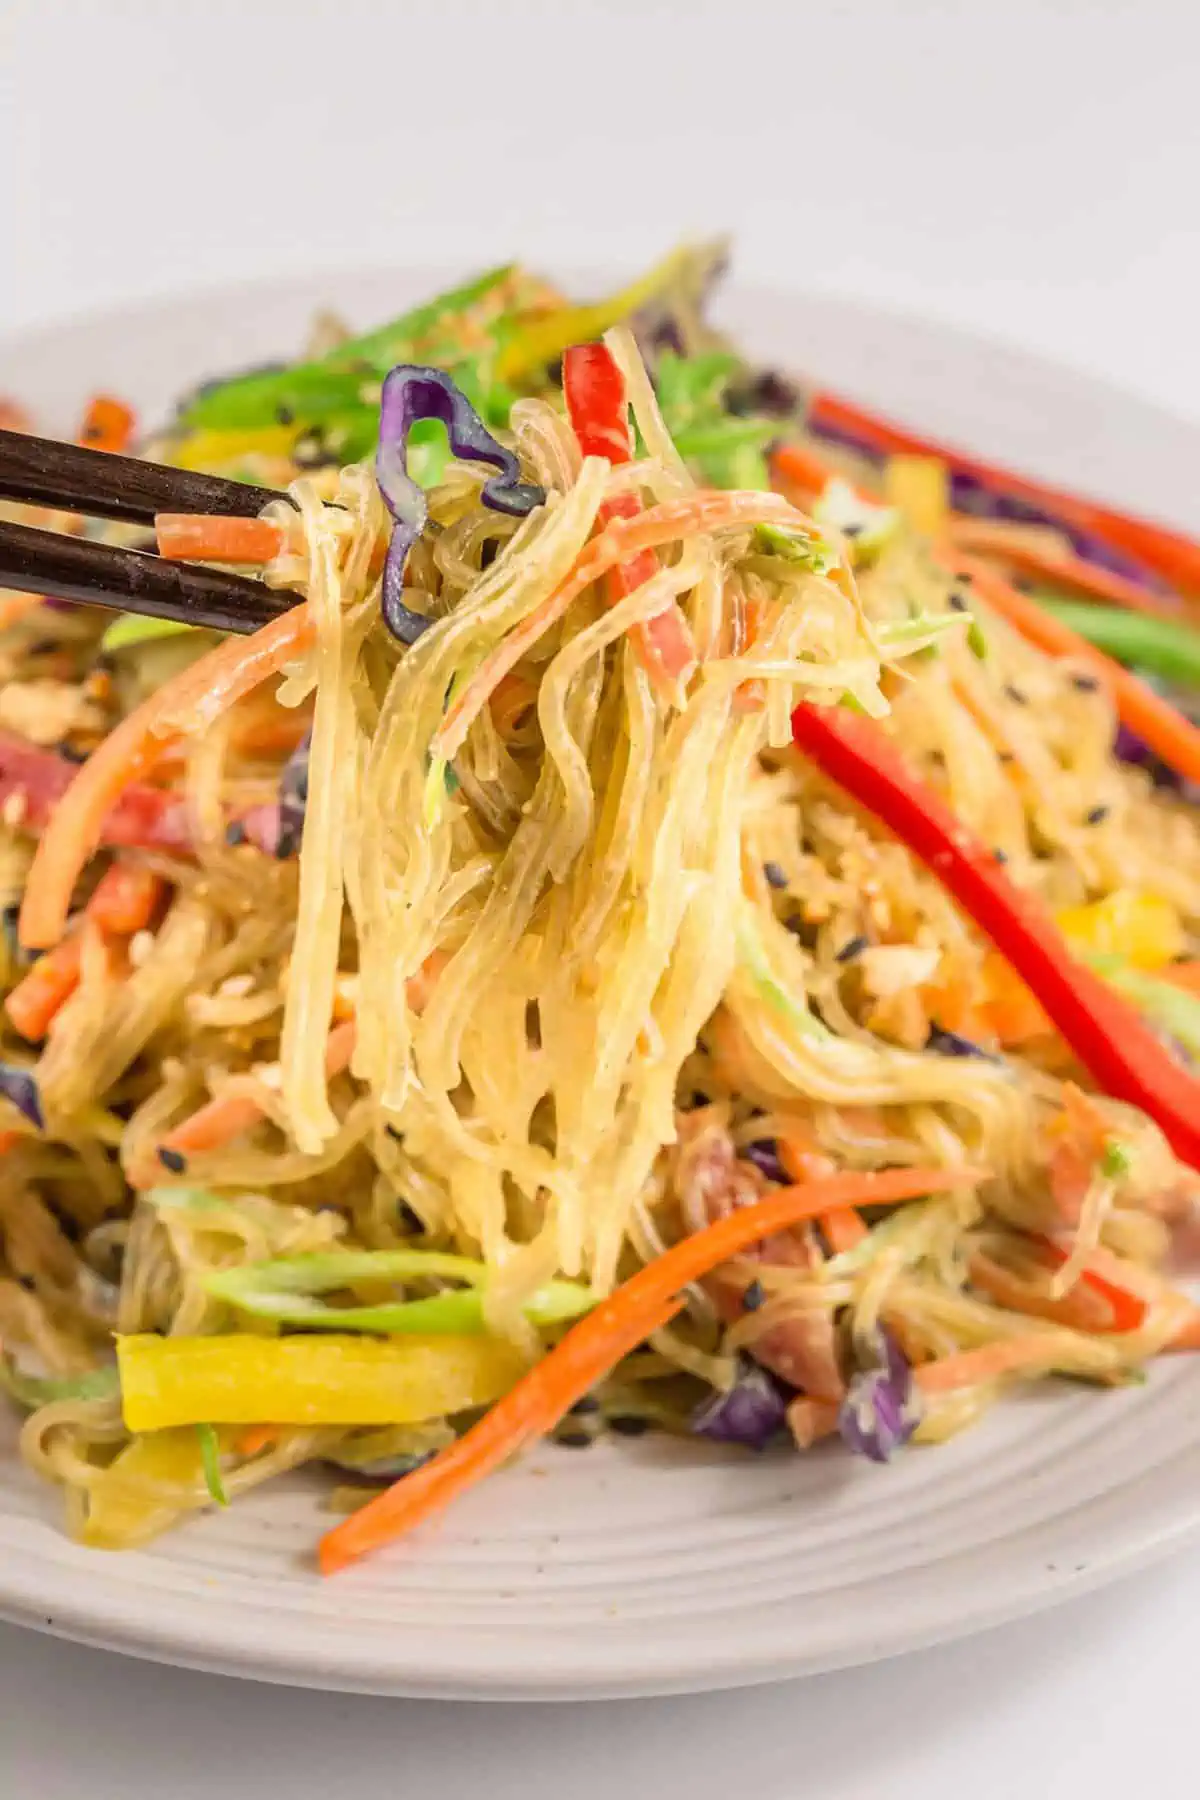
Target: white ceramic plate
pixel 650 1567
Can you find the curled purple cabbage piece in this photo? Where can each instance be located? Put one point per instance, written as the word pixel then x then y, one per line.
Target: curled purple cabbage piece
pixel 20 1086
pixel 764 1154
pixel 881 1409
pixel 750 1413
pixel 412 392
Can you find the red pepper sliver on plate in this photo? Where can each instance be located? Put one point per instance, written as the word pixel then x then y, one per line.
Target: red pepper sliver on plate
pixel 1109 1037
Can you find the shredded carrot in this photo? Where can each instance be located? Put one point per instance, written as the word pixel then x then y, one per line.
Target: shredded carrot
pixel 206 537
pixel 1062 568
pixel 843 1227
pixel 621 540
pixel 46 987
pixel 1184 975
pixel 802 468
pixel 1078 1310
pixel 182 707
pixel 126 898
pixel 107 425
pixel 1155 721
pixel 810 1420
pixel 1008 1356
pixel 1188 1336
pixel 220 1121
pixel 639 1306
pixel 17 606
pixel 253 1438
pixel 9 1139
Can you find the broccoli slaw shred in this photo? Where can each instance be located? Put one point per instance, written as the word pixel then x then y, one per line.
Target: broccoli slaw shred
pixel 689 922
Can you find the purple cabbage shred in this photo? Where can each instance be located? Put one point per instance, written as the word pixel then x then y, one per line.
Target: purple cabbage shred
pixel 412 393
pixel 20 1086
pixel 881 1409
pixel 749 1413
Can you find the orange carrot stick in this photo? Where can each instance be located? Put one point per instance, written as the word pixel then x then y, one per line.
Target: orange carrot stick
pixel 1008 1356
pixel 253 1438
pixel 843 1227
pixel 46 987
pixel 593 1346
pixel 205 537
pixel 1060 567
pixel 182 707
pixel 16 606
pixel 126 898
pixel 1155 721
pixel 218 1122
pixel 107 425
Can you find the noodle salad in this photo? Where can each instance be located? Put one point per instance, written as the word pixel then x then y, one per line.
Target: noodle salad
pixel 690 923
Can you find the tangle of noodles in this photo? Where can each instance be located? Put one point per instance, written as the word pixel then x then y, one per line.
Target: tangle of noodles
pixel 573 993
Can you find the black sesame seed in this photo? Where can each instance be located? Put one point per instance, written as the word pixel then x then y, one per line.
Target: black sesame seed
pixel 235 833
pixel 958 602
pixel 851 530
pixel 284 415
pixel 574 1440
pixel 44 647
pixel 1015 694
pixel 71 752
pixel 1097 815
pixel 174 1160
pixel 1087 684
pixel 754 1296
pixel 586 1403
pixel 28 1283
pixel 629 1425
pixel 850 950
pixel 775 876
pixel 1001 856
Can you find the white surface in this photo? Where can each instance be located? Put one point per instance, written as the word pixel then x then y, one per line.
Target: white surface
pixel 655 1568
pixel 1030 173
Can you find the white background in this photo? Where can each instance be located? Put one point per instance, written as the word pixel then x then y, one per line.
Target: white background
pixel 1028 170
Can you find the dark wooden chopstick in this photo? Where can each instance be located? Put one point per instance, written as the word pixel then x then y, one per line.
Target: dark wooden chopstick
pixel 74 568
pixel 44 472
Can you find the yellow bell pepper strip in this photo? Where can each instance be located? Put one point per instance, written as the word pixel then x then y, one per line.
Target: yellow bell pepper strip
pixel 210 450
pixel 285 1290
pixel 1143 929
pixel 245 1380
pixel 536 342
pixel 920 487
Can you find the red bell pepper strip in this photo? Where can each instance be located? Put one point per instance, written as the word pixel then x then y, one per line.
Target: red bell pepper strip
pixel 144 818
pixel 1128 1310
pixel 595 394
pixel 1107 1035
pixel 1169 553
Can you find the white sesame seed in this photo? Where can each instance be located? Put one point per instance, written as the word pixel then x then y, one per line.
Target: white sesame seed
pixel 16 805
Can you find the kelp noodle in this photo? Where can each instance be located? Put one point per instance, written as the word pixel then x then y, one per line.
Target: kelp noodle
pixel 619 939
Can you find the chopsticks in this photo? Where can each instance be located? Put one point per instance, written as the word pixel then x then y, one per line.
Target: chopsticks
pixel 43 472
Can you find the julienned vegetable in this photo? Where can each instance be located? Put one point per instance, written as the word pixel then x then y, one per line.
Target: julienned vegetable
pixel 1158 646
pixel 413 393
pixel 644 1303
pixel 1107 1035
pixel 334 384
pixel 244 1380
pixel 880 1411
pixel 751 1412
pixel 284 1291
